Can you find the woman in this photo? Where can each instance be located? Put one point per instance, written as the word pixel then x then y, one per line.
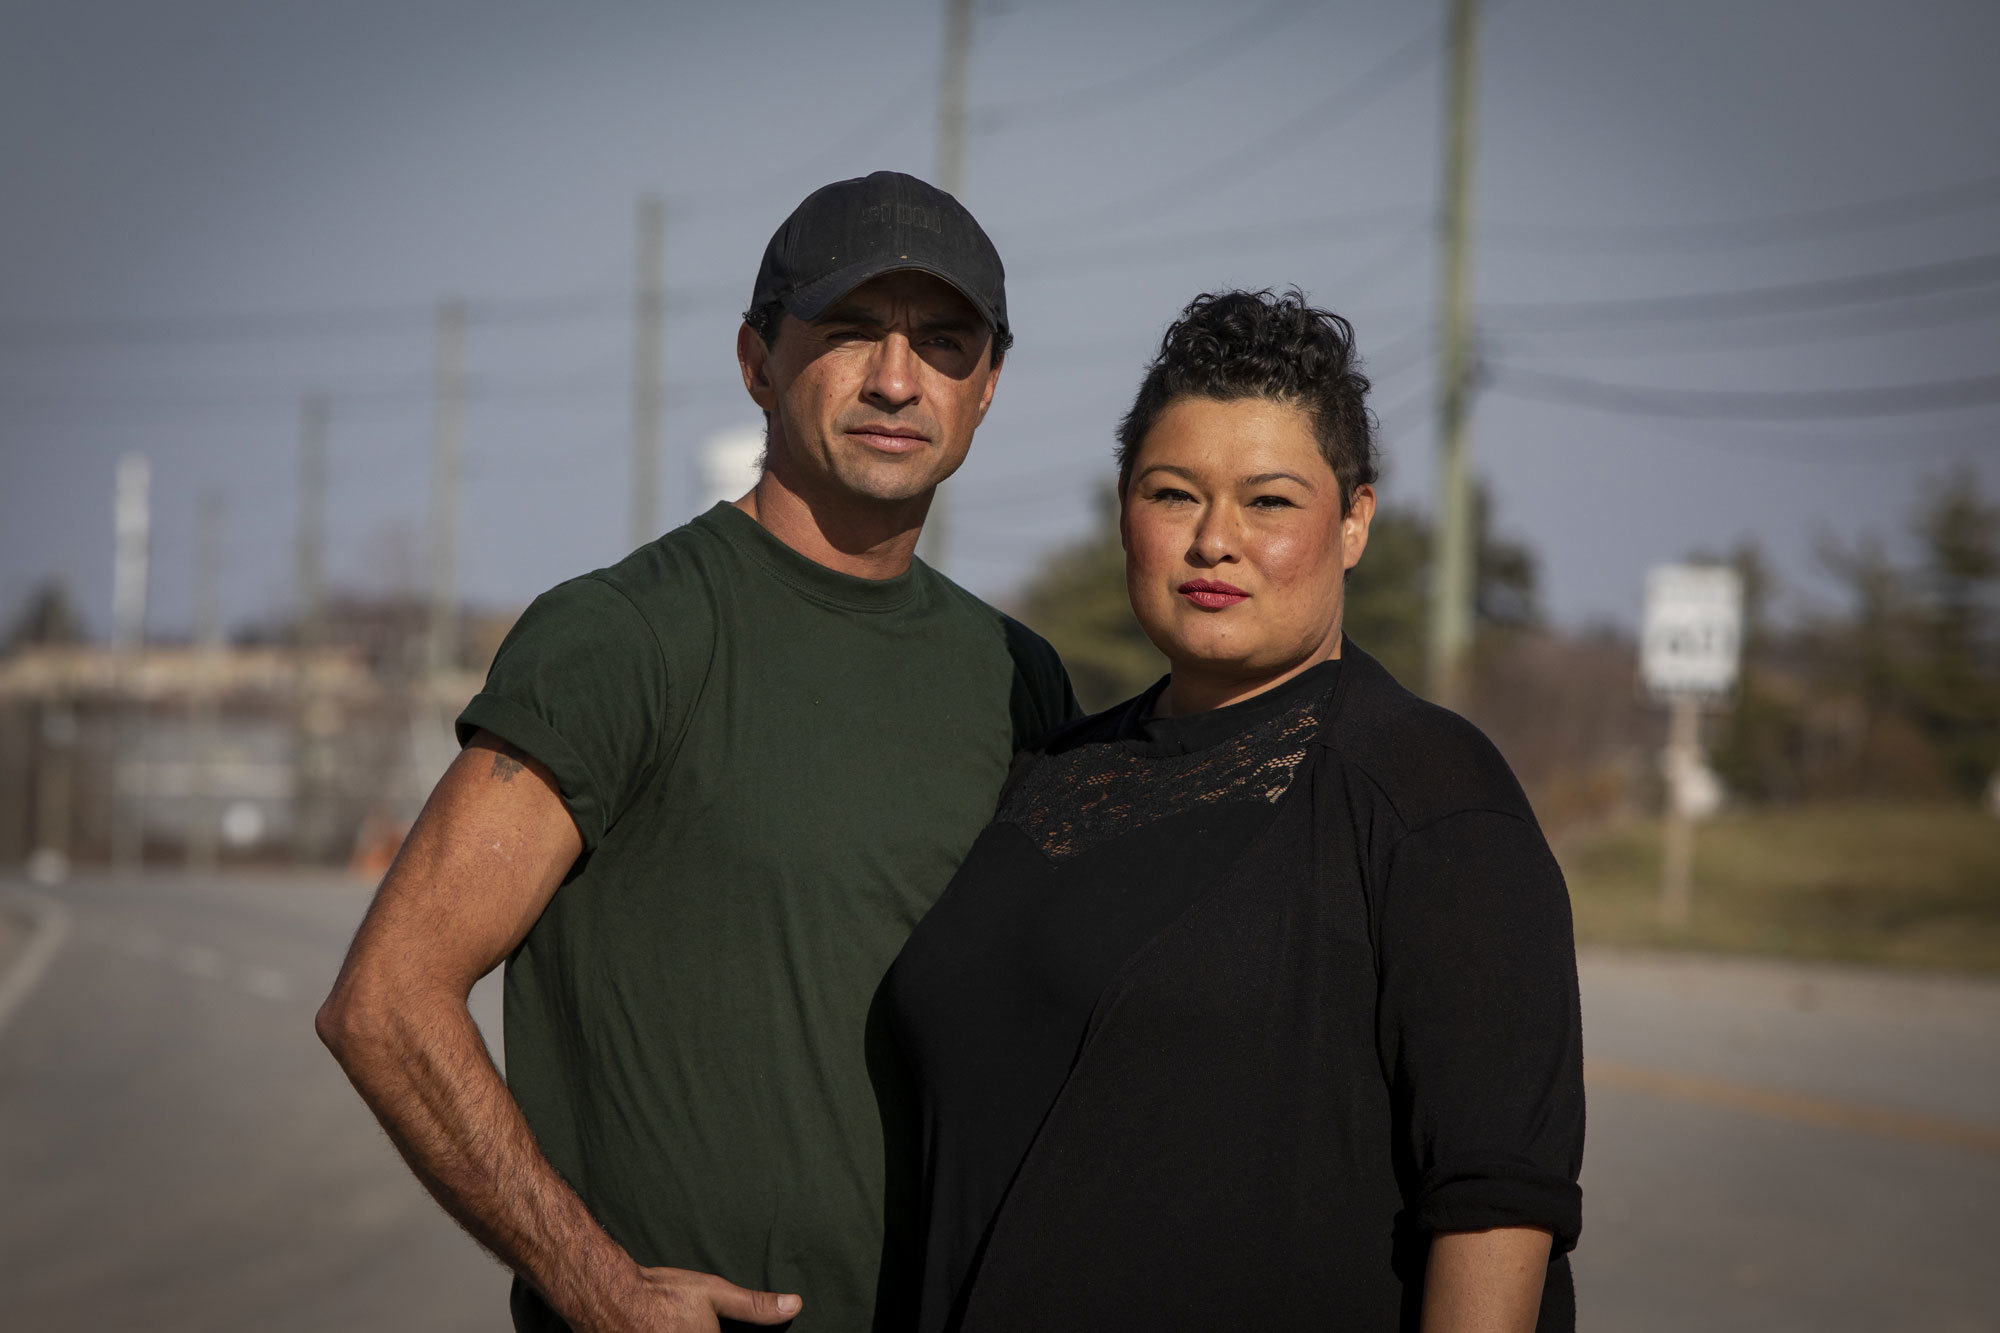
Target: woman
pixel 1255 1006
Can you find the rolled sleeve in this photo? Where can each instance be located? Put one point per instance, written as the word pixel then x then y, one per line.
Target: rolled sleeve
pixel 1480 1026
pixel 580 684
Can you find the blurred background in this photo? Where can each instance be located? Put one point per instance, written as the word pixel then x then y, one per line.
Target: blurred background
pixel 331 335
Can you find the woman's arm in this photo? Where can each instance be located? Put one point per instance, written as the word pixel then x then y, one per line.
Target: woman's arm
pixel 1485 1281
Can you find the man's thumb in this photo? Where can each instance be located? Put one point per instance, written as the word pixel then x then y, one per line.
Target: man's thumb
pixel 752 1307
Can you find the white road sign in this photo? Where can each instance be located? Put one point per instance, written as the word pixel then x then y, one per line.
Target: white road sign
pixel 1693 631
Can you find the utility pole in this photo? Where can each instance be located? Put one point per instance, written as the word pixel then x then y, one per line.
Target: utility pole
pixel 951 96
pixel 309 770
pixel 132 518
pixel 649 315
pixel 447 440
pixel 430 736
pixel 1679 763
pixel 952 80
pixel 54 771
pixel 1453 559
pixel 204 814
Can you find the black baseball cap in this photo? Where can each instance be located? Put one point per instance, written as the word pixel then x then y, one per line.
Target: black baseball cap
pixel 853 230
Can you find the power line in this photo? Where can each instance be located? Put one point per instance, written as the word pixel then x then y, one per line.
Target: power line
pixel 1822 294
pixel 1361 223
pixel 1320 116
pixel 1782 444
pixel 352 321
pixel 1150 80
pixel 1934 312
pixel 1781 228
pixel 1888 400
pixel 380 401
pixel 868 133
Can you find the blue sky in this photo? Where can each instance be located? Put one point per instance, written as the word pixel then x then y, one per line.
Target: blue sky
pixel 174 171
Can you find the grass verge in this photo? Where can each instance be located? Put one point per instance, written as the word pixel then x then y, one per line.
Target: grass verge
pixel 1909 885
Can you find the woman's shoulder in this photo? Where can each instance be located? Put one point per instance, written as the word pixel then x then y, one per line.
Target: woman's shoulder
pixel 1426 760
pixel 1096 729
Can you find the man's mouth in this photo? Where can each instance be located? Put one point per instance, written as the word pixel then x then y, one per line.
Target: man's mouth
pixel 889 439
pixel 1211 595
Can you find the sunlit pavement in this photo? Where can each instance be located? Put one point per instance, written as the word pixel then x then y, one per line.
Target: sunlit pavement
pixel 1783 1147
pixel 178 1152
pixel 1771 1147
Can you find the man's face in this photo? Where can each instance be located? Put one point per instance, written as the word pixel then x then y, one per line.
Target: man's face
pixel 876 399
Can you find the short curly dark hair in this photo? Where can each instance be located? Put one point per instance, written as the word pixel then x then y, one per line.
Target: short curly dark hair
pixel 1269 345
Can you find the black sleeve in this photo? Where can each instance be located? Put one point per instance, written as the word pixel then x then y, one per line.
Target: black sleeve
pixel 1479 1026
pixel 1042 699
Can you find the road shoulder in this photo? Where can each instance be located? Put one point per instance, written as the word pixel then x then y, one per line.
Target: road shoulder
pixel 32 932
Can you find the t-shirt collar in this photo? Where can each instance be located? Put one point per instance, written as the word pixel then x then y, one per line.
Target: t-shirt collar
pixel 804 575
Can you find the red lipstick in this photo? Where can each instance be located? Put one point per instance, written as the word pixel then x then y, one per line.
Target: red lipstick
pixel 1211 595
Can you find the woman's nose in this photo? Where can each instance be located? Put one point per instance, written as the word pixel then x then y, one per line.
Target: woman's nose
pixel 1215 538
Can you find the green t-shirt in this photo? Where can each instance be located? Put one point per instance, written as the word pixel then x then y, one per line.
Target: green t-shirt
pixel 775 768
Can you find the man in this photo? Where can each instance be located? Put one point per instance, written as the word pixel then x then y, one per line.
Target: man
pixel 703 797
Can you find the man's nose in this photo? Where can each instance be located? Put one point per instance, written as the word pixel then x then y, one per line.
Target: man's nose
pixel 892 375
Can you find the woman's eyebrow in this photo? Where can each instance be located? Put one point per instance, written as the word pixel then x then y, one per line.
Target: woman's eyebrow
pixel 1263 477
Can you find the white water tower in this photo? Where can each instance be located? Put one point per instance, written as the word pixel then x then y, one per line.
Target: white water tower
pixel 731 462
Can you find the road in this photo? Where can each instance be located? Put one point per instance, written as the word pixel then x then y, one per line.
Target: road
pixel 1771 1147
pixel 177 1151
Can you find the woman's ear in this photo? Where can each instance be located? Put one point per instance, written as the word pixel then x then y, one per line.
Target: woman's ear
pixel 1354 525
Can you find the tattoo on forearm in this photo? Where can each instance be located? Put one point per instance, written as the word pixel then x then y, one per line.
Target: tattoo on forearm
pixel 507 762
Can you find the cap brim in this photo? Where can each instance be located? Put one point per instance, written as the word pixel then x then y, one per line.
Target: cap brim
pixel 813 300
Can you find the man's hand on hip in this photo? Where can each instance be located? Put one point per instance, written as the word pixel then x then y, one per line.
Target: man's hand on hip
pixel 488 852
pixel 674 1300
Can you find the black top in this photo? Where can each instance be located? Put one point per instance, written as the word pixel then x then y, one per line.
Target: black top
pixel 994 990
pixel 1250 1002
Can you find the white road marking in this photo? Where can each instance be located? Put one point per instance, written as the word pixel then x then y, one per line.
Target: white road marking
pixel 141 942
pixel 52 927
pixel 195 960
pixel 198 960
pixel 268 982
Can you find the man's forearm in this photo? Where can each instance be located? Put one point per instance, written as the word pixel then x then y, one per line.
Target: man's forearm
pixel 425 1072
pixel 1485 1281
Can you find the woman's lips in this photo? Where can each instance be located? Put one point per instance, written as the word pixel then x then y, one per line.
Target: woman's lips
pixel 1210 595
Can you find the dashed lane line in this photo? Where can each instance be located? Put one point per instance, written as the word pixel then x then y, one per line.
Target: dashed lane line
pixel 201 961
pixel 1797 1108
pixel 51 927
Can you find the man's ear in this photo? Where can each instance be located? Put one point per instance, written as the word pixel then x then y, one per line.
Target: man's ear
pixel 753 358
pixel 992 381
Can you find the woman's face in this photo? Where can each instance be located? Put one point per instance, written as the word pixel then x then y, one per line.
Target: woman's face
pixel 1236 548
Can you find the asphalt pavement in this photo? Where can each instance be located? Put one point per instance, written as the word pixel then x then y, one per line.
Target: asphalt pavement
pixel 1771 1147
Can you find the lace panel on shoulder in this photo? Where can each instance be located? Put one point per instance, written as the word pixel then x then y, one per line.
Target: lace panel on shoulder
pixel 1074 801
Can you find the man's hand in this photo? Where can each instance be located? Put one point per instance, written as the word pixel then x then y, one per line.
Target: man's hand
pixel 1486 1281
pixel 488 852
pixel 677 1301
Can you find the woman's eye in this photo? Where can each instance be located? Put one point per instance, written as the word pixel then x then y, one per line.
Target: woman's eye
pixel 1170 495
pixel 1271 502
